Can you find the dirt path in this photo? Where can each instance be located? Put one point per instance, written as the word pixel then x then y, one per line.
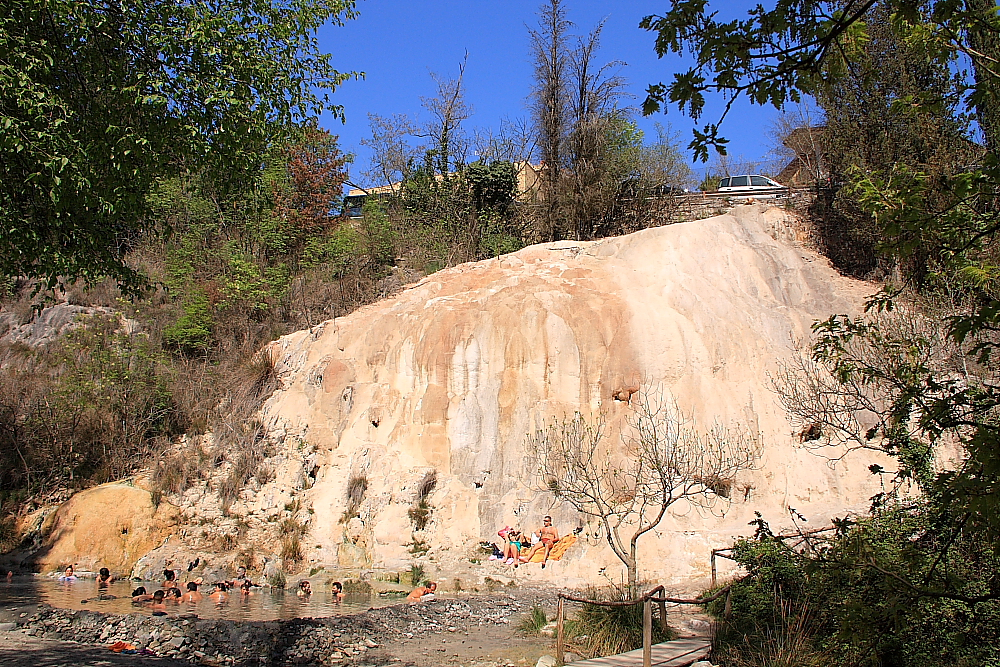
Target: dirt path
pixel 481 646
pixel 18 650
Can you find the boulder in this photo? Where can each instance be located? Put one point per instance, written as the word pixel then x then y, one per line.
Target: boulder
pixel 112 525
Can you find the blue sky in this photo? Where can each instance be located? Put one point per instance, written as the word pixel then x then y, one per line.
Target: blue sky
pixel 398 44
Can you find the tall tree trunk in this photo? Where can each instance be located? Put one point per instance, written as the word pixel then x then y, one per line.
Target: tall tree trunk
pixel 549 46
pixel 985 40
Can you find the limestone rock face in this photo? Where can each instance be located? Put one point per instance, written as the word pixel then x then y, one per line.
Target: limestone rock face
pixel 454 372
pixel 111 525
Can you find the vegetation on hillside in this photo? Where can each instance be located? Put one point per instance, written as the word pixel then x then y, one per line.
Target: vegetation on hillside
pixel 213 222
pixel 910 96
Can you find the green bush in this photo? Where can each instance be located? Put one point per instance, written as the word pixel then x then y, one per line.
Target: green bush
pixel 882 591
pixel 192 332
pixel 533 622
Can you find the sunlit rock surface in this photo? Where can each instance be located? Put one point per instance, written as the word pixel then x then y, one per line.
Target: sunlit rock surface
pixel 453 373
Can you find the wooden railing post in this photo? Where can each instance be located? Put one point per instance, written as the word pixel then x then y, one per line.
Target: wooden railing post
pixel 663 616
pixel 713 568
pixel 647 634
pixel 560 646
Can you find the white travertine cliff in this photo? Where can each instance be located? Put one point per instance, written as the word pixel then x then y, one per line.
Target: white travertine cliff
pixel 451 374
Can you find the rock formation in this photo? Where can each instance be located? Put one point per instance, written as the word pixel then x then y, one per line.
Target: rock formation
pixel 418 406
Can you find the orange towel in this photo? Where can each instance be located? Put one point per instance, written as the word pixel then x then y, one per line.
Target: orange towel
pixel 557 551
pixel 118 647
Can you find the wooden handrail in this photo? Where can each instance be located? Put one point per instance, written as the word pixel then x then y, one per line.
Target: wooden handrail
pixel 646 601
pixel 648 597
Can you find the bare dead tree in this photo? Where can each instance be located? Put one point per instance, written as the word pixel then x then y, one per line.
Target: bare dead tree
pixel 549 104
pixel 796 138
pixel 513 142
pixel 448 110
pixel 663 458
pixel 849 400
pixel 593 103
pixel 392 153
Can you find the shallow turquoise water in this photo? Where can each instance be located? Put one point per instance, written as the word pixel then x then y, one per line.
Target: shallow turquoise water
pixel 263 605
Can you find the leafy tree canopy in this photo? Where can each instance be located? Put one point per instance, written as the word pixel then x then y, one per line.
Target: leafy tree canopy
pixel 775 56
pixel 100 99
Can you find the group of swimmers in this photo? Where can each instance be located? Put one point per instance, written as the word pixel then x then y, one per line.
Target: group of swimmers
pixel 170 591
pixel 336 590
pixel 515 541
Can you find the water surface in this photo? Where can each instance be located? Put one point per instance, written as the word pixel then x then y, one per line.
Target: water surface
pixel 265 604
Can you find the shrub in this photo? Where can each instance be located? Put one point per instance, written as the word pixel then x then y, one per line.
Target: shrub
pixel 277 580
pixel 264 474
pixel 417 575
pixel 843 600
pixel 192 332
pixel 420 510
pixel 600 631
pixel 533 622
pixel 9 537
pixel 357 485
pixel 291 550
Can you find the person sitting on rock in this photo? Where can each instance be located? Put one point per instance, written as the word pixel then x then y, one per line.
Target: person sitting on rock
pixel 170 579
pixel 104 578
pixel 192 594
pixel 219 594
pixel 337 591
pixel 512 548
pixel 423 592
pixel 305 589
pixel 140 595
pixel 548 537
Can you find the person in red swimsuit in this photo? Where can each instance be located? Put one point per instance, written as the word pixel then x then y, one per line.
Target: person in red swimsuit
pixel 548 536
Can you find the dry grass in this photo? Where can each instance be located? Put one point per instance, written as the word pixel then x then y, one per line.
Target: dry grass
pixel 599 631
pixel 788 644
pixel 291 532
pixel 420 511
pixel 357 485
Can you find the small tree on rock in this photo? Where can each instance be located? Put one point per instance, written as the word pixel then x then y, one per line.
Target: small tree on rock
pixel 662 459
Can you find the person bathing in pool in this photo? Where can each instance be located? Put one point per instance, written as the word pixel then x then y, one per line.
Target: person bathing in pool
pixel 157 602
pixel 192 594
pixel 104 578
pixel 423 592
pixel 219 595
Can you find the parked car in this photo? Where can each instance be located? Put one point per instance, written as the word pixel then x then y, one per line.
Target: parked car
pixel 753 185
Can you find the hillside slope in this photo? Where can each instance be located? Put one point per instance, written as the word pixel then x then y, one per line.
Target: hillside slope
pixel 446 380
pixel 452 374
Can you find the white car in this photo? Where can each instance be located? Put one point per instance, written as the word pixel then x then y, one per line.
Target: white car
pixel 752 185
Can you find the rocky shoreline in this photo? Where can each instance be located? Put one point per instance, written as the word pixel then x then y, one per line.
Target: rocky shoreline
pixel 357 639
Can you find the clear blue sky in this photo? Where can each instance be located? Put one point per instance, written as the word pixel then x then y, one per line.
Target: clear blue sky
pixel 399 43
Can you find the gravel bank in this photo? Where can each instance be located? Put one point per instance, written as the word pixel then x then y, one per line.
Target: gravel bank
pixel 377 637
